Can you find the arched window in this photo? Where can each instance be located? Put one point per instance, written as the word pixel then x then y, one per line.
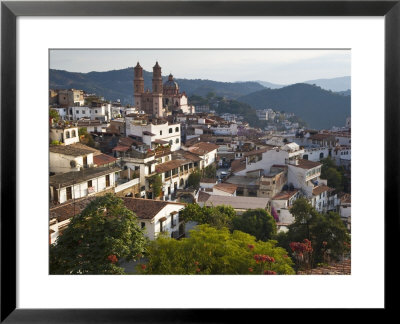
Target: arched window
pixel 67 134
pixel 176 129
pixel 177 141
pixel 170 142
pixel 321 155
pixel 73 133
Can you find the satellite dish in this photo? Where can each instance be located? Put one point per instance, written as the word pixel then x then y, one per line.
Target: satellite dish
pixel 72 164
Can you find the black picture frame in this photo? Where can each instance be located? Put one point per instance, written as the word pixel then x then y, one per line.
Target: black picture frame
pixel 10 10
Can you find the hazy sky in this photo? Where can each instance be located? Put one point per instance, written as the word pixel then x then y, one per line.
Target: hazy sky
pixel 277 66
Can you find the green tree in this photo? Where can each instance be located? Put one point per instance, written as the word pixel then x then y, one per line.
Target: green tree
pixel 214 251
pixel 218 217
pixel 257 222
pixel 194 179
pixel 334 174
pixel 210 95
pixel 326 232
pixel 155 182
pixel 334 178
pixel 82 131
pixel 210 171
pixel 87 137
pixel 97 239
pixel 54 115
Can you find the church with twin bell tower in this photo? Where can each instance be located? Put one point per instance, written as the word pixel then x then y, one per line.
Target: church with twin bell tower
pixel 164 99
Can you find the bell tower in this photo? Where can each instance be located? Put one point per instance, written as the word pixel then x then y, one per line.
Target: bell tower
pixel 138 85
pixel 157 91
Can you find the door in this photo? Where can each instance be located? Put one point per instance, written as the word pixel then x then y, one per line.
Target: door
pixel 107 180
pixel 69 193
pixel 55 195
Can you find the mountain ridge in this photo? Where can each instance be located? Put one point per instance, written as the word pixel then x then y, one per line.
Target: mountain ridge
pixel 321 109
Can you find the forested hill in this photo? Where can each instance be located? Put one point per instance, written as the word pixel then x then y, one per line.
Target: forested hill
pixel 319 108
pixel 118 84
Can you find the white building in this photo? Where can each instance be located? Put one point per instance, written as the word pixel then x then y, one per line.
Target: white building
pixel 239 204
pixel 101 112
pixel 206 151
pixel 262 114
pixel 305 175
pixel 156 216
pixel 62 112
pixel 225 129
pixel 281 204
pixel 79 184
pixel 154 133
pixel 269 157
pixel 64 134
pixel 67 158
pixel 324 199
pixel 153 216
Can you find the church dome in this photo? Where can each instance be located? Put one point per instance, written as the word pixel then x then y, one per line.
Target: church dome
pixel 171 84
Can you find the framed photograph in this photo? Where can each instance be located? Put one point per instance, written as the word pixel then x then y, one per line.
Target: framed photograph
pixel 36 36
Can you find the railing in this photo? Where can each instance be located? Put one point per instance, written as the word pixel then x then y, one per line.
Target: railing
pixel 126 185
pixel 140 155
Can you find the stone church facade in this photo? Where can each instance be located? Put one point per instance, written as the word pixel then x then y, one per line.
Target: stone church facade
pixel 164 99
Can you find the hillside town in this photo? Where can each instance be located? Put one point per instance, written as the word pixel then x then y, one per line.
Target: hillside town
pixel 169 159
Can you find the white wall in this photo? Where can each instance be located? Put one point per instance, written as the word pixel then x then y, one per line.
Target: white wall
pixel 314 153
pixel 153 226
pixel 269 158
pixel 60 163
pixel 160 132
pixel 60 134
pixel 80 189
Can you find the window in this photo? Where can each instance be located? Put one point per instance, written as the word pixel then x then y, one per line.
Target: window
pixel 162 226
pixel 170 130
pixel 95 111
pixel 107 180
pixel 89 183
pixel 67 134
pixel 142 225
pixel 176 129
pixel 85 161
pixel 170 142
pixel 177 141
pixel 69 193
pixel 73 133
pixel 77 111
pixel 160 132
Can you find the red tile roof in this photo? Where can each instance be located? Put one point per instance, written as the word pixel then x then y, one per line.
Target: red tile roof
pixel 208 180
pixel 121 148
pixel 203 148
pixel 284 195
pixel 322 188
pixel 203 196
pixel 148 133
pixel 143 208
pixel 255 152
pixel 102 159
pixel 226 187
pixel 170 165
pixel 306 164
pixel 238 165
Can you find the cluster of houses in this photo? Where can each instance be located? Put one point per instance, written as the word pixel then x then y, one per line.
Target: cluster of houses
pixel 130 147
